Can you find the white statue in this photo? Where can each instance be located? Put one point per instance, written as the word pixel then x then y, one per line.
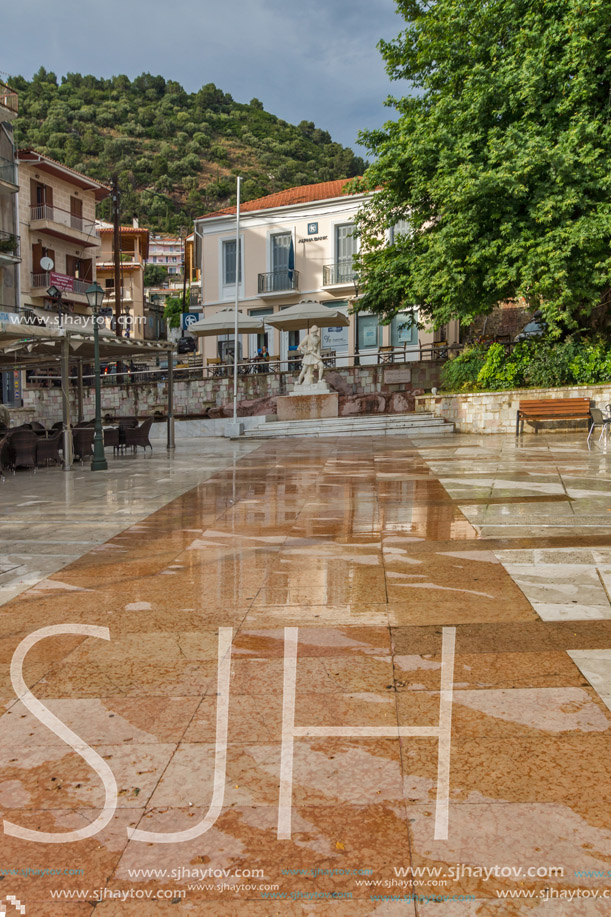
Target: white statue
pixel 310 348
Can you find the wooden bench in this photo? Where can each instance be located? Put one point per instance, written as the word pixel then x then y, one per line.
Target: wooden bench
pixel 552 409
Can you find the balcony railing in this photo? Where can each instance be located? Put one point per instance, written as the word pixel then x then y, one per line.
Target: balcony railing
pixel 9 98
pixel 8 171
pixel 9 244
pixel 340 272
pixel 63 217
pixel 64 282
pixel 278 281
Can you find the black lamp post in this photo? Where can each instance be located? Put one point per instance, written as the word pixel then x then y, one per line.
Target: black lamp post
pixel 95 297
pixel 55 296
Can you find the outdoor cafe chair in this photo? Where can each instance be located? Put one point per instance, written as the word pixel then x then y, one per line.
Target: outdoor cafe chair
pixel 22 448
pixel 599 420
pixel 5 459
pixel 82 442
pixel 139 436
pixel 47 448
pixel 111 437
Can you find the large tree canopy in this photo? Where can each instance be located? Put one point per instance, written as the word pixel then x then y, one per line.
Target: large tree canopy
pixel 499 159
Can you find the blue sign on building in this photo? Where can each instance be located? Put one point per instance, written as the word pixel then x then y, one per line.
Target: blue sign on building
pixel 188 318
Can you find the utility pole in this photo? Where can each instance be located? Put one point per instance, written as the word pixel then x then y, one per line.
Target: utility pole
pixel 116 203
pixel 184 270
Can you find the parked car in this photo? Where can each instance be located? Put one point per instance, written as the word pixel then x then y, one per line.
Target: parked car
pixel 186 344
pixel 535 328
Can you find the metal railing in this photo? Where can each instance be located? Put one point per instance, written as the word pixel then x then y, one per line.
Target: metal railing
pixel 8 171
pixel 339 272
pixel 191 368
pixel 9 98
pixel 278 281
pixel 43 279
pixel 9 244
pixel 63 217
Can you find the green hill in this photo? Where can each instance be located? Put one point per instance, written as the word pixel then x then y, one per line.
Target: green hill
pixel 176 153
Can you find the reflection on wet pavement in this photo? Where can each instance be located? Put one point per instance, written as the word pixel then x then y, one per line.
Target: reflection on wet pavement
pixel 370 549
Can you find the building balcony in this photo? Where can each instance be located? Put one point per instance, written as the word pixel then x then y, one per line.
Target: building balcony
pixel 339 274
pixel 10 252
pixel 9 103
pixel 126 297
pixel 278 282
pixel 63 225
pixel 72 288
pixel 8 176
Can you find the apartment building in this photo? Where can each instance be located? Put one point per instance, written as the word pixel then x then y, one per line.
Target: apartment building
pixel 168 252
pixel 295 245
pixel 134 252
pixel 10 249
pixel 59 239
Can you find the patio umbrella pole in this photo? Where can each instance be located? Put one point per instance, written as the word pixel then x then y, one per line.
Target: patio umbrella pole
pixel 81 415
pixel 65 380
pixel 237 302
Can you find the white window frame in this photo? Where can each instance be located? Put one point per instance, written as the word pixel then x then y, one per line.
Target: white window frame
pixel 227 290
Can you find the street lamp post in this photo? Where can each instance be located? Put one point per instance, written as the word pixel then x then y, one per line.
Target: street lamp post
pixel 95 297
pixel 55 296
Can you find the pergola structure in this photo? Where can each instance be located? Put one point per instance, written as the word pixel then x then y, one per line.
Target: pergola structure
pixel 27 346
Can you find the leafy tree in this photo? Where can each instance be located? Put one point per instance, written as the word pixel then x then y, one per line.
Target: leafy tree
pixel 500 158
pixel 174 308
pixel 155 275
pixel 160 138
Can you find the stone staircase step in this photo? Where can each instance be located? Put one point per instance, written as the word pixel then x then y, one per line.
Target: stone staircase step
pixel 359 425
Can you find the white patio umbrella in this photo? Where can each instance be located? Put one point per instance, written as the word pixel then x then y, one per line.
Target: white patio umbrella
pixel 306 313
pixel 223 322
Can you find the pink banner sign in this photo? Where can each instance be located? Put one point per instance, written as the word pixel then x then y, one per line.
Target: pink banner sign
pixel 61 281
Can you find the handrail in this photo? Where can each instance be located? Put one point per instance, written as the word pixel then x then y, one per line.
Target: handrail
pixel 43 279
pixel 9 244
pixel 9 98
pixel 148 375
pixel 339 272
pixel 278 281
pixel 8 170
pixel 63 217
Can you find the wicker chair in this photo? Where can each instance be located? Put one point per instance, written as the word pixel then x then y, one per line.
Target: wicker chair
pixel 22 448
pixel 5 459
pixel 38 428
pixel 82 442
pixel 111 437
pixel 139 436
pixel 47 449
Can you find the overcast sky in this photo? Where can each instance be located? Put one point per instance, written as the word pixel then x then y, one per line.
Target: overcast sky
pixel 313 60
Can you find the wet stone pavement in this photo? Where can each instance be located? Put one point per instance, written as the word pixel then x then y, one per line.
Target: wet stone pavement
pixel 300 645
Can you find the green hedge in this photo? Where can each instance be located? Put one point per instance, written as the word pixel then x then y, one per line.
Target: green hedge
pixel 530 364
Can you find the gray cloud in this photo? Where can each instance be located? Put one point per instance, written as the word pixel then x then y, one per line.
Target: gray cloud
pixel 312 60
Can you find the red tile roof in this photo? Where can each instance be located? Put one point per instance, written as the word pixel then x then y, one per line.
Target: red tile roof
pixel 303 194
pixel 46 163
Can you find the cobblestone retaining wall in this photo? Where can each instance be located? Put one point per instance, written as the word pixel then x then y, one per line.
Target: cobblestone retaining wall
pixel 495 412
pixel 198 396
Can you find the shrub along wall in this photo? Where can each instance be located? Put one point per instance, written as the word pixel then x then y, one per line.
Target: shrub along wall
pixel 536 364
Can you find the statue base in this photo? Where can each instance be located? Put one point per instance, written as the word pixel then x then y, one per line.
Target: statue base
pixel 311 388
pixel 298 406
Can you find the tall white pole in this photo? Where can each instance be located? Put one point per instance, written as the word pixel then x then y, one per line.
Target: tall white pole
pixel 237 301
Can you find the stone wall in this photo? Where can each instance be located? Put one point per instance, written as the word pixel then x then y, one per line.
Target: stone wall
pixel 362 389
pixel 495 412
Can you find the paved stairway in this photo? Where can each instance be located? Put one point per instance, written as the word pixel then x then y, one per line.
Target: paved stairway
pixel 425 424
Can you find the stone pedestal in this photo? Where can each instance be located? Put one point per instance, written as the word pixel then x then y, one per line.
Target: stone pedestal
pixel 314 388
pixel 308 407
